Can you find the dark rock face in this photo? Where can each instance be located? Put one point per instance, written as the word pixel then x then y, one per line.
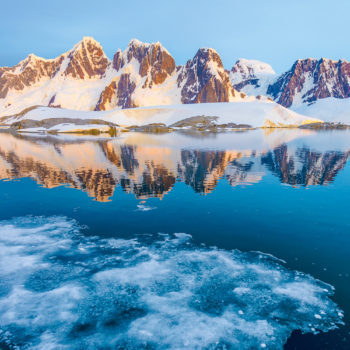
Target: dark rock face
pixel 118 60
pixel 243 84
pixel 312 80
pixel 124 90
pixel 204 79
pixel 117 93
pixel 158 62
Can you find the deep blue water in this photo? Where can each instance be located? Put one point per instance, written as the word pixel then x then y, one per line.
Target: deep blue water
pixel 283 193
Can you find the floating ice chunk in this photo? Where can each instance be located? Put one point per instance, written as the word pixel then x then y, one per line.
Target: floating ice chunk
pixel 241 290
pixel 143 207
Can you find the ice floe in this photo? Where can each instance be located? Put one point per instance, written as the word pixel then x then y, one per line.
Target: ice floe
pixel 60 289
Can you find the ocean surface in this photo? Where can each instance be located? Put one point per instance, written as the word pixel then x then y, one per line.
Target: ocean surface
pixel 175 241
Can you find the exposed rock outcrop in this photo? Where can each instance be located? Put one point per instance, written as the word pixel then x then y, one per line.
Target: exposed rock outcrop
pixel 117 94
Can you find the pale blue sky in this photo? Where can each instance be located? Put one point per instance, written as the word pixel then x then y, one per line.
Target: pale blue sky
pixel 274 31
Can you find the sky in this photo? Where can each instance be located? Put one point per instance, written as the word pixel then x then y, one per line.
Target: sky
pixel 274 31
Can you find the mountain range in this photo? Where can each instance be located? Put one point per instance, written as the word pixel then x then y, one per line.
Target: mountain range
pixel 85 79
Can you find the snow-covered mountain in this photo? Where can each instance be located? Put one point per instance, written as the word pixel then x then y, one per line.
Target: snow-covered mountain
pixel 85 79
pixel 306 82
pixel 142 75
pixel 72 80
pixel 252 77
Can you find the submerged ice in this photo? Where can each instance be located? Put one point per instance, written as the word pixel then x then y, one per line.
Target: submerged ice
pixel 62 290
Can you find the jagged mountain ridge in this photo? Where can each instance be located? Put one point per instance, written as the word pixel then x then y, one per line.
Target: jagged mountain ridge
pixel 85 79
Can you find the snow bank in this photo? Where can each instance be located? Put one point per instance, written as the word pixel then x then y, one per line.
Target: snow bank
pixel 254 113
pixel 328 109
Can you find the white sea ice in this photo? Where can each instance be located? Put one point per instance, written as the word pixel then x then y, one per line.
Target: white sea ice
pixel 60 289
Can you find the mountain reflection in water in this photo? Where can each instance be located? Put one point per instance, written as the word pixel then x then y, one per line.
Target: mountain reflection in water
pixel 150 165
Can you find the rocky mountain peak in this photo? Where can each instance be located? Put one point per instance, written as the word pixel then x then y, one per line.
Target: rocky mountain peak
pixel 157 63
pixel 30 59
pixel 153 58
pixel 205 56
pixel 136 42
pixel 136 49
pixel 32 62
pixel 86 60
pixel 204 79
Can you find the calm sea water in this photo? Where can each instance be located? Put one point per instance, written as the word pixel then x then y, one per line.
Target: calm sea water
pixel 227 241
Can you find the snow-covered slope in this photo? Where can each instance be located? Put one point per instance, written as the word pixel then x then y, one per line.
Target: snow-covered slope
pixel 254 114
pixel 329 109
pixel 252 77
